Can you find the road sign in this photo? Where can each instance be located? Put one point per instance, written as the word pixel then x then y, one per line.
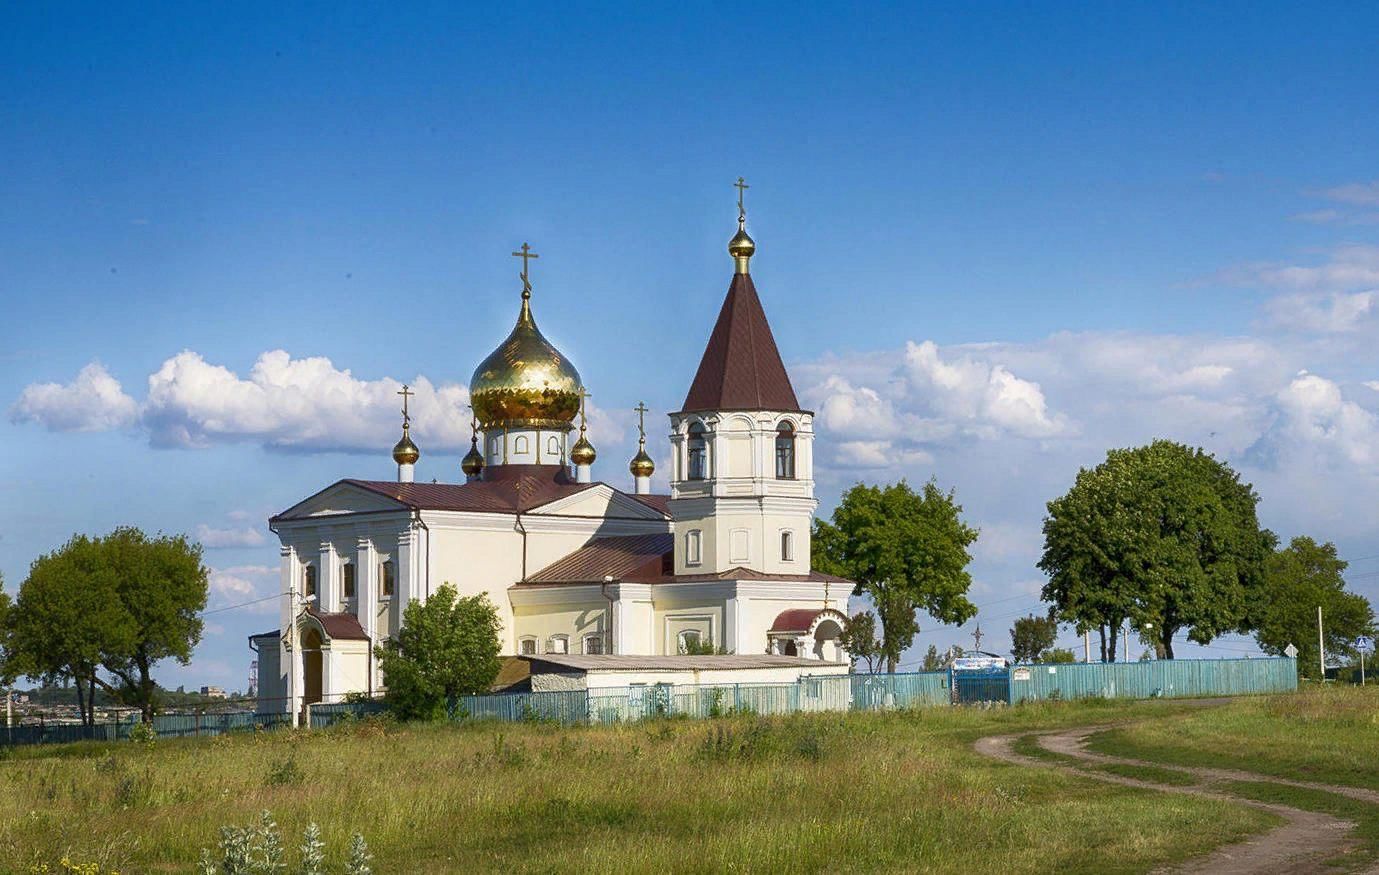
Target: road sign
pixel 1364 644
pixel 1291 652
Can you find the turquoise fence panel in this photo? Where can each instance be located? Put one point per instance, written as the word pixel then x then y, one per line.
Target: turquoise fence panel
pixel 878 692
pixel 1161 678
pixel 323 714
pixel 561 706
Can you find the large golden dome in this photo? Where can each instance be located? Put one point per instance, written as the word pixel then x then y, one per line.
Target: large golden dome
pixel 526 382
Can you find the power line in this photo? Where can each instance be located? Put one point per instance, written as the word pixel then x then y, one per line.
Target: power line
pixel 240 605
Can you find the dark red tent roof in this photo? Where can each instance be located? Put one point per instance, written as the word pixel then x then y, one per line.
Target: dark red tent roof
pixel 741 368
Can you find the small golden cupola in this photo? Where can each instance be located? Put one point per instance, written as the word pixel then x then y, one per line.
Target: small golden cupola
pixel 405 452
pixel 473 462
pixel 641 466
pixel 742 247
pixel 582 454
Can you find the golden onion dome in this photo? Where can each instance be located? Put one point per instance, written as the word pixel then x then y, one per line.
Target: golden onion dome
pixel 742 245
pixel 473 462
pixel 526 382
pixel 404 451
pixel 641 465
pixel 582 453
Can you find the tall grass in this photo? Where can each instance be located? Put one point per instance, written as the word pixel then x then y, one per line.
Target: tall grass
pixel 848 792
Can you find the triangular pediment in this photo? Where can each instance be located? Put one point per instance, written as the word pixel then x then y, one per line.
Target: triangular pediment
pixel 339 499
pixel 599 500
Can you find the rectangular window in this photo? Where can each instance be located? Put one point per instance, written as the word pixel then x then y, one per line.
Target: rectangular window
pixel 787 547
pixel 347 573
pixel 693 548
pixel 309 584
pixel 593 645
pixel 527 646
pixel 558 644
pixel 387 578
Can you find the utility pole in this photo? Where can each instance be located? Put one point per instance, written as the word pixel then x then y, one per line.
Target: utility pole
pixel 1087 645
pixel 1126 639
pixel 1321 643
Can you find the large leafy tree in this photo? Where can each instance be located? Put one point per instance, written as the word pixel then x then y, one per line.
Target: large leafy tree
pixel 67 616
pixel 120 604
pixel 1163 536
pixel 1298 579
pixel 162 586
pixel 906 551
pixel 447 647
pixel 1031 636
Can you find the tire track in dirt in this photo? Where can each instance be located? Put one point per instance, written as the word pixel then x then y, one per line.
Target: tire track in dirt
pixel 1303 843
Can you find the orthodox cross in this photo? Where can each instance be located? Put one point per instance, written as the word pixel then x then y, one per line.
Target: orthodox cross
pixel 977 636
pixel 741 186
pixel 405 393
pixel 526 255
pixel 641 409
pixel 583 393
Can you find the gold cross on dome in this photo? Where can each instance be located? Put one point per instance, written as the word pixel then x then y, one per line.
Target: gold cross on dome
pixel 741 186
pixel 583 394
pixel 405 393
pixel 641 409
pixel 526 255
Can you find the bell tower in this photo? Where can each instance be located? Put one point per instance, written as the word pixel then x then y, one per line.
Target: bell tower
pixel 742 477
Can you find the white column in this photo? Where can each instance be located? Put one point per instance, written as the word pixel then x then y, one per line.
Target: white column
pixel 405 473
pixel 642 485
pixel 327 579
pixel 583 474
pixel 731 626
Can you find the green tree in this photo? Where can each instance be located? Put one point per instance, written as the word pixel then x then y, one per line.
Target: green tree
pixel 1059 656
pixel 66 617
pixel 1297 579
pixel 447 647
pixel 1031 636
pixel 933 660
pixel 906 551
pixel 1163 536
pixel 859 640
pixel 161 584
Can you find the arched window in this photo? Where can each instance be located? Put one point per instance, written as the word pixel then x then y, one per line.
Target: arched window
pixel 690 641
pixel 558 644
pixel 527 646
pixel 553 447
pixel 787 547
pixel 309 581
pixel 519 445
pixel 593 645
pixel 698 453
pixel 387 579
pixel 785 452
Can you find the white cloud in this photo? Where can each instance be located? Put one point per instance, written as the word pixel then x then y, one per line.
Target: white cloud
pixel 1363 193
pixel 980 393
pixel 300 404
pixel 1325 313
pixel 244 583
pixel 216 538
pixel 1351 267
pixel 1316 416
pixel 94 401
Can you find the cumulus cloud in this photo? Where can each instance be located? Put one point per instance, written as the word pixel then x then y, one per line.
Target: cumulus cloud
pixel 218 538
pixel 294 404
pixel 1317 420
pixel 1326 313
pixel 94 401
pixel 243 583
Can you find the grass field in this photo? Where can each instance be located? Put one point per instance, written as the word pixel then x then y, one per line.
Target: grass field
pixel 858 792
pixel 1325 734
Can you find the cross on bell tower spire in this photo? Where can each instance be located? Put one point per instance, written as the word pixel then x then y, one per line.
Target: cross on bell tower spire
pixel 526 255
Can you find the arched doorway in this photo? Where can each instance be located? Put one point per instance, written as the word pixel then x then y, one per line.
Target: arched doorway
pixel 311 666
pixel 827 631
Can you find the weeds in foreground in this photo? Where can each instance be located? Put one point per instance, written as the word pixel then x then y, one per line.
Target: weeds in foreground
pixel 257 849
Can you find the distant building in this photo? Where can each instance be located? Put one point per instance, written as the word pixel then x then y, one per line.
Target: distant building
pixel 213 692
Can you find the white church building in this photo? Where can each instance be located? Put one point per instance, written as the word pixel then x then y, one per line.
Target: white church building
pixel 575 565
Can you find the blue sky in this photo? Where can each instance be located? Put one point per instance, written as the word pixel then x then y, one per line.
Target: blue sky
pixel 993 242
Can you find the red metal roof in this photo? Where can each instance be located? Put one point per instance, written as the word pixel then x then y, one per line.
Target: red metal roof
pixel 339 626
pixel 631 557
pixel 506 489
pixel 801 619
pixel 741 368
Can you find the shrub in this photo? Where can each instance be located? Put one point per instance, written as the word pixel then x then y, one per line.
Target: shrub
pixel 283 772
pixel 143 733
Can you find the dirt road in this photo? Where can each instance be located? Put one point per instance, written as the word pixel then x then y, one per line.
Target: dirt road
pixel 1303 843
